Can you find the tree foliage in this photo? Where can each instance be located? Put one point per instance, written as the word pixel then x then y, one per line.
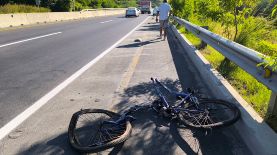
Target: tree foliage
pixel 231 13
pixel 74 5
pixel 274 11
pixel 209 9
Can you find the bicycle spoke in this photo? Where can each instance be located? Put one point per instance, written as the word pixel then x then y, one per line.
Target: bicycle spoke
pixel 212 122
pixel 206 122
pixel 203 121
pixel 84 119
pixel 86 126
pixel 93 138
pixel 195 120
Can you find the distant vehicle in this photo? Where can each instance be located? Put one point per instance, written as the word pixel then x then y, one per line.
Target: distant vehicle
pixel 145 6
pixel 139 11
pixel 155 11
pixel 132 11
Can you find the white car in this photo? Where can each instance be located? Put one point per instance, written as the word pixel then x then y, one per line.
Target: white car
pixel 132 11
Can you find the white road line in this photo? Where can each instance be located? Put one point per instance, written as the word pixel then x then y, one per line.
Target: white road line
pixel 21 41
pixel 5 130
pixel 106 21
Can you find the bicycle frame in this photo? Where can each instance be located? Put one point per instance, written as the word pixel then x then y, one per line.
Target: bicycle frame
pixel 192 100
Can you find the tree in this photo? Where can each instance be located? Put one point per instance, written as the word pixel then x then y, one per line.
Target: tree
pixel 108 4
pixel 84 3
pixel 209 9
pixel 3 2
pixel 63 5
pixel 96 4
pixel 156 3
pixel 240 9
pixel 48 3
pixel 181 8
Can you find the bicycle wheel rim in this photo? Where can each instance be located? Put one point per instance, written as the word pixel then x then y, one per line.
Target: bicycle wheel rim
pixel 213 113
pixel 77 142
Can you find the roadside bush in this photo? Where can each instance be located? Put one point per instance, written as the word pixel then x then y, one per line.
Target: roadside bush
pixel 274 22
pixel 11 8
pixel 63 6
pixel 252 30
pixel 78 6
pixel 108 4
pixel 267 48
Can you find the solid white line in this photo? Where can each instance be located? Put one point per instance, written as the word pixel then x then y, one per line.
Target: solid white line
pixel 5 130
pixel 17 42
pixel 106 21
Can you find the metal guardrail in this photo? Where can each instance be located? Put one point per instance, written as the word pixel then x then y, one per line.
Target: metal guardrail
pixel 244 57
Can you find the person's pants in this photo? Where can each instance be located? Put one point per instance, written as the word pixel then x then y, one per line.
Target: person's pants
pixel 164 23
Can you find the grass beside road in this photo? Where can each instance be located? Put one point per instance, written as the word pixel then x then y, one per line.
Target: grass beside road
pixel 11 8
pixel 254 92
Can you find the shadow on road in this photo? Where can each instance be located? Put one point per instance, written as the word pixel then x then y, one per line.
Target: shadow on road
pixel 55 146
pixel 60 146
pixel 150 28
pixel 138 44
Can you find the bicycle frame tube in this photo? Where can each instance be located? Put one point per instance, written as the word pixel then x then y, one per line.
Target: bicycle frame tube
pixel 162 98
pixel 177 94
pixel 184 96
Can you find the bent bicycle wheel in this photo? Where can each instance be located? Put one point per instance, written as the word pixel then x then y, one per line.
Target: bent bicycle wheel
pixel 210 113
pixel 94 130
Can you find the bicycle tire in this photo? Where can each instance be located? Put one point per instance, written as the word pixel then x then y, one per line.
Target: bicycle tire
pixel 199 121
pixel 77 145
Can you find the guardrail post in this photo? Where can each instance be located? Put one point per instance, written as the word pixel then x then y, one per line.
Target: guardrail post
pixel 203 44
pixel 272 107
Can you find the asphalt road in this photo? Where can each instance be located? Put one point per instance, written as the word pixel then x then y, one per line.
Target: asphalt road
pixel 119 80
pixel 34 60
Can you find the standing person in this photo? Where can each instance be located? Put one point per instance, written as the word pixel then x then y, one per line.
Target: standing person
pixel 164 13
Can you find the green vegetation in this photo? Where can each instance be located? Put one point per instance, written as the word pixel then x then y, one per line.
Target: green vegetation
pixel 54 5
pixel 156 3
pixel 16 6
pixel 21 8
pixel 251 23
pixel 67 5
